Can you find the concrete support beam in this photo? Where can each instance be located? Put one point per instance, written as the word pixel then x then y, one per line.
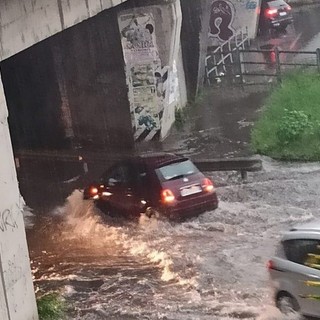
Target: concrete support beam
pixel 194 40
pixel 17 298
pixel 26 22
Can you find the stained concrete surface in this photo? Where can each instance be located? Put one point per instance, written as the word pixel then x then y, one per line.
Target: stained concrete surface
pixel 220 123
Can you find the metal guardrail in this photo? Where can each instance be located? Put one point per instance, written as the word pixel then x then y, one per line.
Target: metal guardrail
pixel 243 165
pixel 268 63
pixel 25 157
pixel 224 52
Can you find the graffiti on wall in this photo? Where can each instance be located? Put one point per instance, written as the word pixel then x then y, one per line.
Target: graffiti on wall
pixel 145 75
pixel 221 19
pixel 8 220
pixel 251 5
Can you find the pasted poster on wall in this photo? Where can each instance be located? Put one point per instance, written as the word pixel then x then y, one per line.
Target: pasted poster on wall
pixel 145 76
pixel 146 113
pixel 138 38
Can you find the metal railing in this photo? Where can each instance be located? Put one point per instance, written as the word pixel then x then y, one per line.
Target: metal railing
pixel 266 64
pixel 219 56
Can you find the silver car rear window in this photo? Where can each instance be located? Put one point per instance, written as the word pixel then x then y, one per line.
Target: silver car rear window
pixel 176 170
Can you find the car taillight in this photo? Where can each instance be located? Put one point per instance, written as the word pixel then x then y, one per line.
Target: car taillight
pixel 270 265
pixel 94 191
pixel 167 196
pixel 288 8
pixel 207 185
pixel 271 12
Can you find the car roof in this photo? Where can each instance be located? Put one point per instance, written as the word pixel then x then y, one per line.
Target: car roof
pixel 276 3
pixel 157 160
pixel 309 226
pixel 310 230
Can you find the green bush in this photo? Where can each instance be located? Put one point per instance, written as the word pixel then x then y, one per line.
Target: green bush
pixel 51 307
pixel 292 126
pixel 289 127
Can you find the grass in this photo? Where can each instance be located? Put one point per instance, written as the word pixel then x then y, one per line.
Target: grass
pixel 51 307
pixel 289 128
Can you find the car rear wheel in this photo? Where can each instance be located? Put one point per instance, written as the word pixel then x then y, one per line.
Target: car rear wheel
pixel 287 304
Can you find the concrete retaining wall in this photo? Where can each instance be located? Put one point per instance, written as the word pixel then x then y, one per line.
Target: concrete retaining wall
pixel 17 298
pixel 229 16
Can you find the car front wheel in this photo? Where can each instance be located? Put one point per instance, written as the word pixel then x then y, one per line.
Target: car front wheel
pixel 287 304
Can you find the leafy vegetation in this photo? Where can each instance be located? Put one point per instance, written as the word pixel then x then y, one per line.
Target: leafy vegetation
pixel 51 307
pixel 289 128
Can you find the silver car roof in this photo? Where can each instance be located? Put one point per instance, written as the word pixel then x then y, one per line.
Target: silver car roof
pixel 306 230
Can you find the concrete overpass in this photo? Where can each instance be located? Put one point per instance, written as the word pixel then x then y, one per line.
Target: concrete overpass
pixel 74 73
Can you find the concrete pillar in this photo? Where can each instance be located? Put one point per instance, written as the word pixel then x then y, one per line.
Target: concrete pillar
pixel 17 298
pixel 194 40
pixel 150 37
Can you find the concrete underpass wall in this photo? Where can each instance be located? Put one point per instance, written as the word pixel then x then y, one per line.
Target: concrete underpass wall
pixel 26 22
pixel 17 298
pixel 229 16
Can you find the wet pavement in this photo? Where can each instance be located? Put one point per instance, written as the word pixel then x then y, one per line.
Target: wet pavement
pixel 221 123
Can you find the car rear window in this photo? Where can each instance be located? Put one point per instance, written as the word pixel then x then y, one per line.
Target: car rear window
pixel 176 170
pixel 276 3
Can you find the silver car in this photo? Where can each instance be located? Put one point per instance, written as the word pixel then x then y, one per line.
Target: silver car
pixel 295 271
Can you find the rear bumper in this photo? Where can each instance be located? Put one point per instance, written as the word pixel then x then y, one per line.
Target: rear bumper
pixel 191 207
pixel 280 22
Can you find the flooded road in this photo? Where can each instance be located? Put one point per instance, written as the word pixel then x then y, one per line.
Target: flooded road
pixel 304 29
pixel 210 267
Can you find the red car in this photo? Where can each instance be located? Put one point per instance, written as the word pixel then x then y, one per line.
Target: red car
pixel 167 184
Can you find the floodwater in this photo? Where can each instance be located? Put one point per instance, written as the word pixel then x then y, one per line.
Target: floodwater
pixel 210 267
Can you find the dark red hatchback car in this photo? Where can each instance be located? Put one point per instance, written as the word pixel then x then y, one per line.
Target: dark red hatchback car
pixel 167 184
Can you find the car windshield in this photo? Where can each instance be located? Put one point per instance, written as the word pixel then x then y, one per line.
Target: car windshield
pixel 176 170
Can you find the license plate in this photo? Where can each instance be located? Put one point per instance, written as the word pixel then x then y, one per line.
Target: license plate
pixel 282 14
pixel 190 190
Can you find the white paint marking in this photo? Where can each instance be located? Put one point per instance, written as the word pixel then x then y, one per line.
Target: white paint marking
pixel 293 44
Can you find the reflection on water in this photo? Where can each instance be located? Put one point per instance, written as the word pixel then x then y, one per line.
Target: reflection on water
pixel 211 267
